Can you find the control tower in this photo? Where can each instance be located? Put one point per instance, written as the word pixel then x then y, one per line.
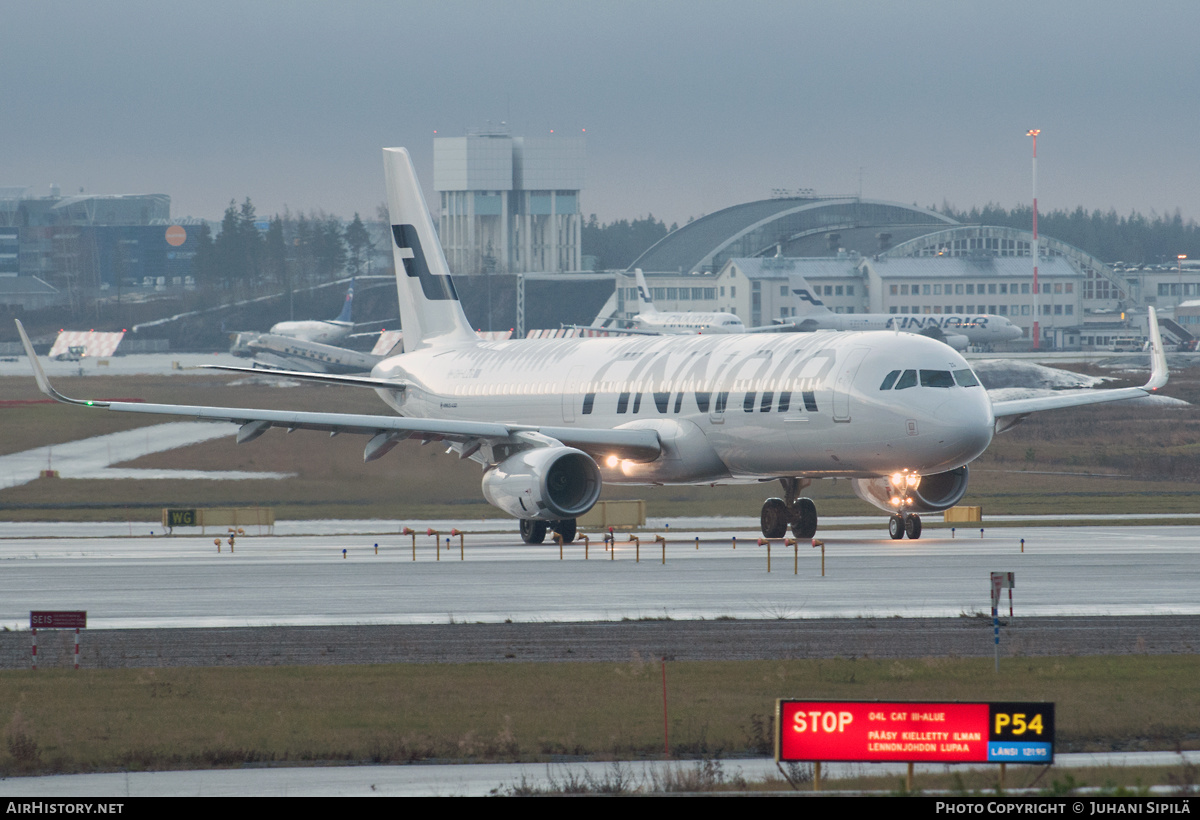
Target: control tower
pixel 509 204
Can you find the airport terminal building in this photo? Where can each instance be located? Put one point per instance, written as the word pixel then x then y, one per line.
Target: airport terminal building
pixel 864 256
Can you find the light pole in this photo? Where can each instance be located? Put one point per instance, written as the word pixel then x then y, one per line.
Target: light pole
pixel 1037 336
pixel 1180 259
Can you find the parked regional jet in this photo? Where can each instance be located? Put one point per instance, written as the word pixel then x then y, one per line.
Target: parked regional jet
pixel 319 330
pixel 957 330
pixel 899 415
pixel 650 321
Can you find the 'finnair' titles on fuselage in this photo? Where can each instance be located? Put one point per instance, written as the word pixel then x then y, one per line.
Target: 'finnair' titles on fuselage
pixel 979 328
pixel 958 330
pixel 726 409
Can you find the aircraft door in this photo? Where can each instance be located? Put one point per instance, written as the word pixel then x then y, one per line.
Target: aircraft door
pixel 571 393
pixel 844 382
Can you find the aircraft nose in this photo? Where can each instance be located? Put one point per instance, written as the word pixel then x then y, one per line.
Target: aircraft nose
pixel 967 423
pixel 948 433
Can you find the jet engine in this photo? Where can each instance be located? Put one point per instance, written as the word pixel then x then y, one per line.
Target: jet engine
pixel 931 493
pixel 955 340
pixel 544 484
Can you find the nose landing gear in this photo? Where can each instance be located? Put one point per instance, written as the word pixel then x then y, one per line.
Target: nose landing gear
pixel 900 525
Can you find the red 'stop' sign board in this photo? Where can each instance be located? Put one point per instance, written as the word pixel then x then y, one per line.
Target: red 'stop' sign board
pixel 872 731
pixel 58 620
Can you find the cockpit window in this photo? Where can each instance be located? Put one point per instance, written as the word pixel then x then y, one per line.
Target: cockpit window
pixel 936 378
pixel 909 379
pixel 889 380
pixel 966 378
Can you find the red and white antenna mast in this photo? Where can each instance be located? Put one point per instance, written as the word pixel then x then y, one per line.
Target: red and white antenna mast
pixel 1037 336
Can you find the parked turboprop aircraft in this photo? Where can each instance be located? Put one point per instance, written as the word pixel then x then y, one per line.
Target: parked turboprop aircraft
pixel 551 420
pixel 957 330
pixel 285 352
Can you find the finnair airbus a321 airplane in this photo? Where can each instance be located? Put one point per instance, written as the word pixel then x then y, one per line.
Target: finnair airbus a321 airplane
pixel 955 329
pixel 550 420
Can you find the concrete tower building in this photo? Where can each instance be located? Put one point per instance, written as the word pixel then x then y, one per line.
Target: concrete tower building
pixel 509 204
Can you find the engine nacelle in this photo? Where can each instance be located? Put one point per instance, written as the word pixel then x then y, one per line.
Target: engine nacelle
pixel 935 493
pixel 955 340
pixel 544 483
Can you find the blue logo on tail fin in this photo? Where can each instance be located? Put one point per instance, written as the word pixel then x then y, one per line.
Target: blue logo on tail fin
pixel 805 296
pixel 344 316
pixel 435 288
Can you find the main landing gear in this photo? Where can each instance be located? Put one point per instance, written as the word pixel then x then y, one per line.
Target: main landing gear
pixel 799 513
pixel 902 524
pixel 534 532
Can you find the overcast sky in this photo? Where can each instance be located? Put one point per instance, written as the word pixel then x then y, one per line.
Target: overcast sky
pixel 689 106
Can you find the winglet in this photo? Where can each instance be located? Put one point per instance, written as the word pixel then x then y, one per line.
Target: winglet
pixel 40 375
pixel 1158 356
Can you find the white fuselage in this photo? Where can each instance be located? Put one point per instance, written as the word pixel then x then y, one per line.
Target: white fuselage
pixel 684 323
pixel 979 329
pixel 313 330
pixel 739 408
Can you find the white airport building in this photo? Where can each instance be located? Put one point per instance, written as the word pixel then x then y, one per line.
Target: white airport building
pixel 864 256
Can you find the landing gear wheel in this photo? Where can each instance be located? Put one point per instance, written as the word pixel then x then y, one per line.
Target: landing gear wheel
pixel 912 526
pixel 804 518
pixel 565 528
pixel 896 527
pixel 533 532
pixel 775 517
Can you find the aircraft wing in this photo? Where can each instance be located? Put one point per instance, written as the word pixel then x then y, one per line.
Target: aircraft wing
pixel 778 327
pixel 1008 413
pixel 616 331
pixel 307 375
pixel 636 445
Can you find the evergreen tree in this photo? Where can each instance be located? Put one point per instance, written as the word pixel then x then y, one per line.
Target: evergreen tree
pixel 617 244
pixel 250 243
pixel 358 241
pixel 1134 239
pixel 274 254
pixel 331 248
pixel 204 269
pixel 226 249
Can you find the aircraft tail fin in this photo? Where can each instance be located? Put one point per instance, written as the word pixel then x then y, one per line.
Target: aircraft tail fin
pixel 430 312
pixel 804 297
pixel 344 316
pixel 645 303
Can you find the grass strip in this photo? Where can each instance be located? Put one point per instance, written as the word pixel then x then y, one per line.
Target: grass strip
pixel 104 720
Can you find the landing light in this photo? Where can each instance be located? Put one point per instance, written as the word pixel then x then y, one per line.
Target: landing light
pixel 612 461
